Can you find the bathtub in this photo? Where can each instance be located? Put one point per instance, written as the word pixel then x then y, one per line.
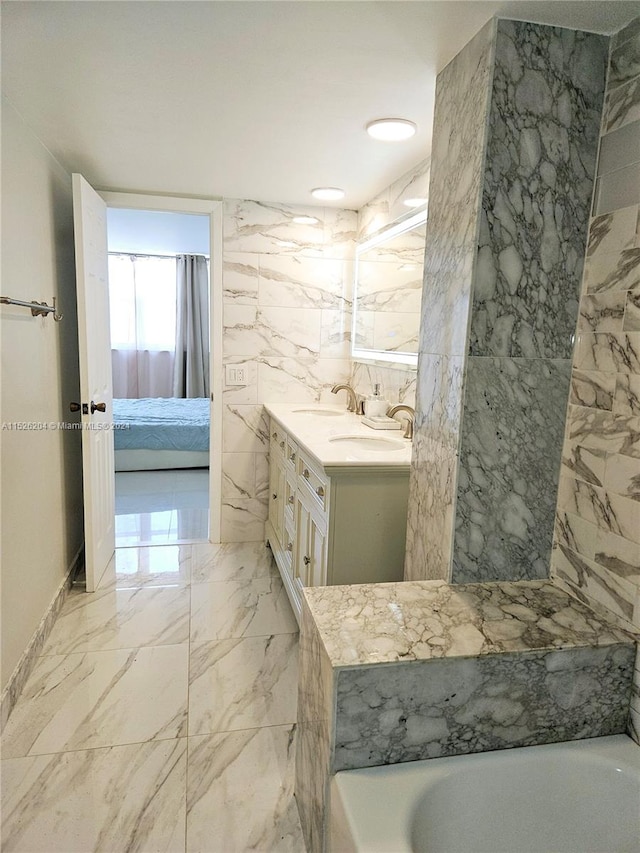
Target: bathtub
pixel 582 796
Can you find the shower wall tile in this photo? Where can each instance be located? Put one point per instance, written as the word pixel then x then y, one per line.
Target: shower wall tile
pixel 243 519
pixel 538 179
pixel 625 62
pixel 461 114
pixel 593 389
pixel 510 449
pixel 622 105
pixel 602 312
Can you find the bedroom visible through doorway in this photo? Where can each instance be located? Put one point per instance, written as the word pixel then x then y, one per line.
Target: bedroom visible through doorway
pixel 159 287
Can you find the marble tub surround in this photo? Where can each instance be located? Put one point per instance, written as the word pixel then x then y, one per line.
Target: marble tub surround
pixel 503 327
pixel 596 550
pixel 398 672
pixel 314 434
pixel 287 317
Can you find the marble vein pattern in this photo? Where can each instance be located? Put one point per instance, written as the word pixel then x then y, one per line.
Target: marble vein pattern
pixel 300 380
pixel 120 619
pixel 423 620
pixel 256 675
pixel 593 389
pixel 389 205
pixel 253 770
pixel 116 798
pixel 270 228
pixel 314 746
pixel 460 120
pixel 461 113
pixel 398 385
pixel 538 178
pixel 97 754
pixel 510 451
pixel 95 699
pixel 233 609
pixel 232 562
pixel 622 105
pixel 428 709
pixel 632 313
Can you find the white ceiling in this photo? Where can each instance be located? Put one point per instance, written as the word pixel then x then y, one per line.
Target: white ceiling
pixel 260 100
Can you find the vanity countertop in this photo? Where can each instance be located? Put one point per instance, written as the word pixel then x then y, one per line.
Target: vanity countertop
pixel 314 433
pixel 424 620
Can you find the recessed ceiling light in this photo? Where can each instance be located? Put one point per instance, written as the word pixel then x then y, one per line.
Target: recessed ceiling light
pixel 414 202
pixel 391 129
pixel 306 220
pixel 328 193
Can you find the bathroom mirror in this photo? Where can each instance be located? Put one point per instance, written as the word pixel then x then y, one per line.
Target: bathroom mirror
pixel 388 293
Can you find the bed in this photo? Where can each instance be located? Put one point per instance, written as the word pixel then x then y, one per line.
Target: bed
pixel 161 432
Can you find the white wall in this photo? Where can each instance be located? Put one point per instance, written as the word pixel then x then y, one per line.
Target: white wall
pixel 157 232
pixel 40 471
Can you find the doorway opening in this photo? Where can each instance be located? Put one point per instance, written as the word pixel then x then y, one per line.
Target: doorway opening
pixel 165 305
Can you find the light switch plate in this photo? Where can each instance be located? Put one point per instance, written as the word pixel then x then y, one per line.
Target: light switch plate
pixel 235 374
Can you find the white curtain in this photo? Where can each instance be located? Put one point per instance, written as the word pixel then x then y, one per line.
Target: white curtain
pixel 142 292
pixel 191 366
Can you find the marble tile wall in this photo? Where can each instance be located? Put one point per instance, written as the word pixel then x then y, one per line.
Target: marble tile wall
pixel 398 383
pixel 596 549
pixel 538 178
pixel 461 112
pixel 287 316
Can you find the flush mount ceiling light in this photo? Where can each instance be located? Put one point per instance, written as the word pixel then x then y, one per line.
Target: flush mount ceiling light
pixel 391 129
pixel 414 202
pixel 306 220
pixel 328 193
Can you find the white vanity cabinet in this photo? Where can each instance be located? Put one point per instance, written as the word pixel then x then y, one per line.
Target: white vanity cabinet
pixel 336 525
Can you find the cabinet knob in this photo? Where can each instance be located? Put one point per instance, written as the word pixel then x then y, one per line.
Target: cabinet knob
pixel 320 491
pixel 274 496
pixel 291 499
pixel 282 444
pixel 292 457
pixel 306 474
pixel 290 546
pixel 306 560
pixel 275 435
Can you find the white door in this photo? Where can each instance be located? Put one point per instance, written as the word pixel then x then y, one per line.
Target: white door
pixel 96 389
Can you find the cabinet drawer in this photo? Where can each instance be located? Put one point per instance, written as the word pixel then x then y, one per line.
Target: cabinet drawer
pixel 278 440
pixel 288 544
pixel 289 497
pixel 291 453
pixel 316 483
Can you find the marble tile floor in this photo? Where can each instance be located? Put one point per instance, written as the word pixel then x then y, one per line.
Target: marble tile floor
pixel 161 713
pixel 161 507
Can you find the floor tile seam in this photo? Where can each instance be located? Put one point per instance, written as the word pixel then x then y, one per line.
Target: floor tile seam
pixel 94 748
pixel 286 724
pixel 116 649
pixel 245 637
pixel 249 637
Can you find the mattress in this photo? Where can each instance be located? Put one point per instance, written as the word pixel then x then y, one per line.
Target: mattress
pixel 161 423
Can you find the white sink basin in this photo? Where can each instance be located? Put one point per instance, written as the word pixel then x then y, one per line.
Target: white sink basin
pixel 320 412
pixel 368 442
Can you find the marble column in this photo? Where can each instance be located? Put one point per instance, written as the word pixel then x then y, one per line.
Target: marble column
pixel 501 301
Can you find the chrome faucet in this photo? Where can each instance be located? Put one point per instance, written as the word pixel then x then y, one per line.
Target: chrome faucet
pixel 411 416
pixel 352 405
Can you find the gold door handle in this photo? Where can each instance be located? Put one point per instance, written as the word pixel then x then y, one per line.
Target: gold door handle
pixel 74 407
pixel 98 407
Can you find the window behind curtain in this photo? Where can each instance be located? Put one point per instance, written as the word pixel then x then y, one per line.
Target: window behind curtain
pixel 142 292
